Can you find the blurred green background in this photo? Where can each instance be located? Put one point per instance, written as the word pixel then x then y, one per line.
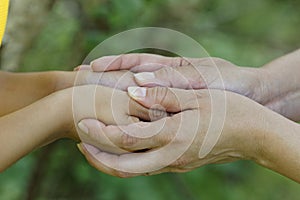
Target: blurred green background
pixel 58 36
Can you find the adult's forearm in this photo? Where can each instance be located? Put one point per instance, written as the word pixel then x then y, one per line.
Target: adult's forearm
pixel 280 149
pixel 21 89
pixel 286 69
pixel 284 81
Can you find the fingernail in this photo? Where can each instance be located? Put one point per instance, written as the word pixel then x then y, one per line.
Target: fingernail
pixel 137 92
pixel 83 127
pixel 144 77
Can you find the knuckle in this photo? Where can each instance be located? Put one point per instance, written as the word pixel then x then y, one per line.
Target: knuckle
pixel 170 76
pixel 157 113
pixel 185 62
pixel 163 139
pixel 162 92
pixel 158 93
pixel 176 61
pixel 128 141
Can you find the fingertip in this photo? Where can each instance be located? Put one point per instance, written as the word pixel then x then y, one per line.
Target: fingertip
pixel 144 77
pixel 88 126
pixel 137 93
pixel 104 63
pixel 95 66
pixel 89 148
pixel 83 127
pixel 148 79
pixel 149 97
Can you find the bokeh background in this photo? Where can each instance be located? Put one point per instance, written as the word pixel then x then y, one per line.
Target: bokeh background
pixel 57 35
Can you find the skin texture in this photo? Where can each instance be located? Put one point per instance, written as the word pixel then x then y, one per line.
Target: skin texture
pixel 21 89
pixel 275 133
pixel 261 138
pixel 30 119
pixel 275 85
pixel 268 132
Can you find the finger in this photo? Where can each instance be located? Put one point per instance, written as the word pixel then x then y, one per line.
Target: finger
pixel 114 79
pixel 129 61
pixel 83 67
pixel 155 159
pixel 90 132
pixel 171 99
pixel 146 136
pixel 185 77
pixel 127 165
pixel 138 111
pixel 90 152
pixel 140 136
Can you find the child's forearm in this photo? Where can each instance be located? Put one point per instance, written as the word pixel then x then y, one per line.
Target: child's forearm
pixel 33 126
pixel 21 89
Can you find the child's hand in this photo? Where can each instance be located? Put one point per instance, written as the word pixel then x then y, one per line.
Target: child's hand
pixel 114 79
pixel 111 106
pixel 84 75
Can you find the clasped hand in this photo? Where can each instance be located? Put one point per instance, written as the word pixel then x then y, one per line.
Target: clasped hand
pixel 209 111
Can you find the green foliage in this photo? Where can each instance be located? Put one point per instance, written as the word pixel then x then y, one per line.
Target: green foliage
pixel 249 33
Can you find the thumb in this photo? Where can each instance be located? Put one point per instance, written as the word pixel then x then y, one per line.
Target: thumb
pixel 184 77
pixel 163 98
pixel 91 132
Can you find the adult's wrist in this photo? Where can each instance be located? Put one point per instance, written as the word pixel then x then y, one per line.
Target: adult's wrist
pixel 262 91
pixel 284 74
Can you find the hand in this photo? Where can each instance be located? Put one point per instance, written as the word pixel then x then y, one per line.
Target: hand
pixel 103 103
pixel 193 137
pixel 187 73
pixel 266 85
pixel 85 76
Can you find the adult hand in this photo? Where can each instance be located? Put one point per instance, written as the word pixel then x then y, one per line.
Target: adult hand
pixel 115 79
pixel 187 73
pixel 267 85
pixel 204 128
pixel 103 103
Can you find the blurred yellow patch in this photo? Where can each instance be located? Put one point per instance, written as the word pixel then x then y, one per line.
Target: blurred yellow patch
pixel 3 17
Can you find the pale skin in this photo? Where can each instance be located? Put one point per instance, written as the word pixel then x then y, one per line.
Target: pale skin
pixel 275 85
pixel 255 132
pixel 250 132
